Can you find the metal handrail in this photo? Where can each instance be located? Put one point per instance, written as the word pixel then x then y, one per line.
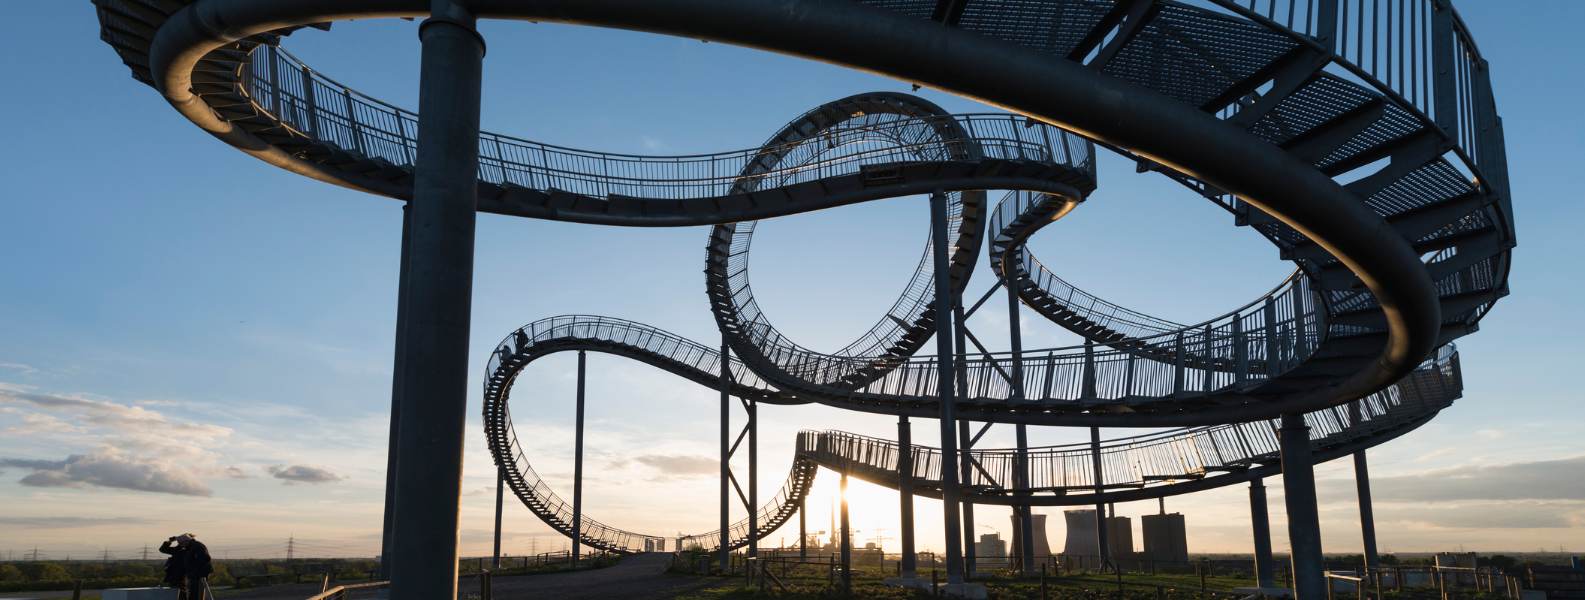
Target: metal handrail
pixel 316 106
pixel 1139 328
pixel 1164 457
pixel 1415 90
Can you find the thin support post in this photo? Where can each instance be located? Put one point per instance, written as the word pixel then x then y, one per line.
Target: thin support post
pixel 1260 520
pixel 1304 522
pixel 577 465
pixel 970 551
pixel 905 492
pixel 396 395
pixel 1025 514
pixel 1240 354
pixel 1087 388
pixel 803 528
pixel 500 480
pixel 726 457
pixel 1178 366
pixel 1444 56
pixel 846 540
pixel 1273 360
pixel 1326 24
pixel 1367 517
pixel 753 479
pixel 945 396
pixel 436 376
pixel 1102 544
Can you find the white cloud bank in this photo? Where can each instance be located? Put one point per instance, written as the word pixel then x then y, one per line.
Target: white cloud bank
pixel 140 473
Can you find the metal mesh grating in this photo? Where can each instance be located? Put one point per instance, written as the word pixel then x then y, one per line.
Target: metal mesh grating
pixel 1282 234
pixel 1322 100
pixel 1429 184
pixel 918 8
pixel 1052 26
pixel 1193 57
pixel 1395 124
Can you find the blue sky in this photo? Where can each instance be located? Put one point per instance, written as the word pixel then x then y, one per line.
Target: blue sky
pixel 176 309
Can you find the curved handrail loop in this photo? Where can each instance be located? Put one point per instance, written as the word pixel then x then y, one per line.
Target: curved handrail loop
pixel 1039 150
pixel 672 353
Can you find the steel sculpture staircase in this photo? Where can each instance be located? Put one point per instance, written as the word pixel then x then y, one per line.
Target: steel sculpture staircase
pixel 1392 100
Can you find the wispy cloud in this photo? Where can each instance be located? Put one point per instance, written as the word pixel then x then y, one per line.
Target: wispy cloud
pixel 1504 515
pixel 64 522
pixel 25 370
pixel 1540 480
pixel 681 465
pixel 1438 454
pixel 1491 434
pixel 302 474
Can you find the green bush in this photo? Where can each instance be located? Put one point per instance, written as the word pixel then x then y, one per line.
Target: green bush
pixel 44 571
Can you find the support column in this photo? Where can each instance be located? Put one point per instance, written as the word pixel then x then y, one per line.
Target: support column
pixel 1026 521
pixel 726 456
pixel 845 540
pixel 500 479
pixel 435 377
pixel 1103 546
pixel 753 478
pixel 577 467
pixel 1367 515
pixel 970 550
pixel 946 398
pixel 803 528
pixel 396 398
pixel 1304 521
pixel 905 493
pixel 965 439
pixel 1260 521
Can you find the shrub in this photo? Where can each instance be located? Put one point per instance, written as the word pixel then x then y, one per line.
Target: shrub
pixel 44 571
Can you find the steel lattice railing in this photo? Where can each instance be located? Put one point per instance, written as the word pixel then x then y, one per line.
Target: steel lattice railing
pixel 1268 336
pixel 1398 47
pixel 1160 458
pixel 317 106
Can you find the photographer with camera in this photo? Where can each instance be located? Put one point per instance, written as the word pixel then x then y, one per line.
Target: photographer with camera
pixel 188 567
